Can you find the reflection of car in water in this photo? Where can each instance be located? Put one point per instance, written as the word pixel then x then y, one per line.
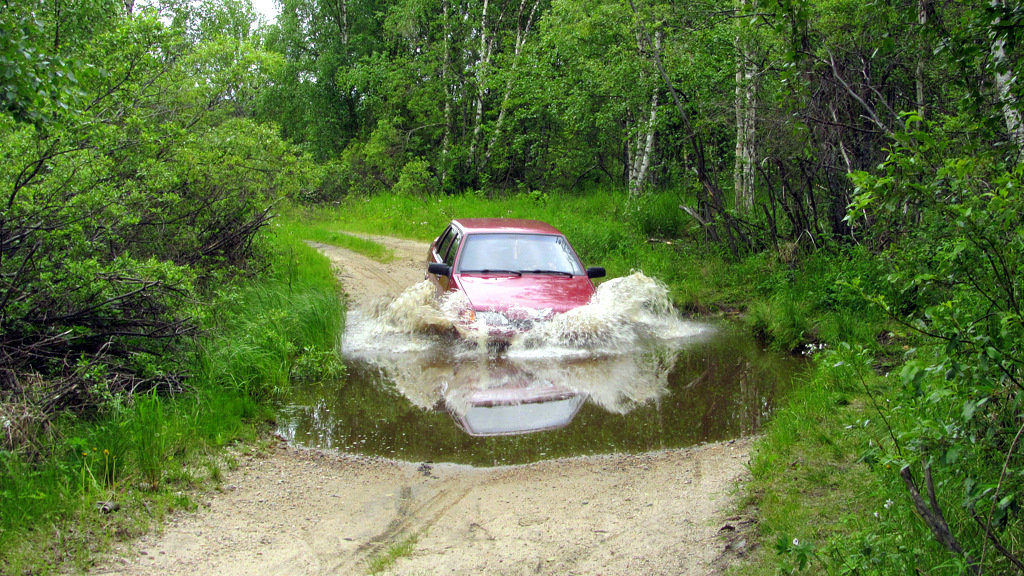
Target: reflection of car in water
pixel 503 399
pixel 500 396
pixel 512 272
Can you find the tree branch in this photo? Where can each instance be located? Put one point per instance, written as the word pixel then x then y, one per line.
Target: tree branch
pixel 932 515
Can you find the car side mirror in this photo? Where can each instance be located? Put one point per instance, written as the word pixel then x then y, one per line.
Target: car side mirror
pixel 596 272
pixel 439 269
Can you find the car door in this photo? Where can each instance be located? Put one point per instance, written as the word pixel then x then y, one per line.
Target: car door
pixel 443 251
pixel 449 258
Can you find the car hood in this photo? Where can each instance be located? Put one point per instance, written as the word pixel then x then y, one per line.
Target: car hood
pixel 559 293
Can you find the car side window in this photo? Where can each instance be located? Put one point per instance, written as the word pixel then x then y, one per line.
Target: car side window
pixel 449 257
pixel 444 241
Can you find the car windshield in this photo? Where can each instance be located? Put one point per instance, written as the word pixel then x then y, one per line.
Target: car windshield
pixel 518 253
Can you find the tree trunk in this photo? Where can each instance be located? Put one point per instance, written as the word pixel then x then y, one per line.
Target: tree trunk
pixel 641 160
pixel 339 15
pixel 446 67
pixel 922 21
pixel 521 33
pixel 746 119
pixel 482 63
pixel 1004 87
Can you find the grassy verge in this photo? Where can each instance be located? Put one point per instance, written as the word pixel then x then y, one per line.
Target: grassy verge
pixel 319 226
pixel 95 480
pixel 825 480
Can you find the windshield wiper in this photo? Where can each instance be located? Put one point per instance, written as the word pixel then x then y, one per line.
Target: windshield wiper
pixel 492 271
pixel 559 272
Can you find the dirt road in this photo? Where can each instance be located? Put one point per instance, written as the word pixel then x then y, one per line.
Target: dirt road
pixel 299 512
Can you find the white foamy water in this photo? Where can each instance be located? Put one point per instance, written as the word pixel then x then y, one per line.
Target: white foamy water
pixel 624 314
pixel 618 350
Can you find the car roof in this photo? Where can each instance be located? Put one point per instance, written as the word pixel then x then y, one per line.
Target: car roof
pixel 486 225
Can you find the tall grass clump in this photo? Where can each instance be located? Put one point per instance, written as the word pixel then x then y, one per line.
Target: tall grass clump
pixel 815 300
pixel 286 326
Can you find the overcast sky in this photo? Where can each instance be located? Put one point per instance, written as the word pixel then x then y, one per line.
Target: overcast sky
pixel 267 8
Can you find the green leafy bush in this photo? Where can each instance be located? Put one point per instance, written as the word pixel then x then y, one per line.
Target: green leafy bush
pixel 956 279
pixel 415 179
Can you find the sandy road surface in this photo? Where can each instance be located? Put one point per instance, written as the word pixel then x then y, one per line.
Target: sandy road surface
pixel 299 512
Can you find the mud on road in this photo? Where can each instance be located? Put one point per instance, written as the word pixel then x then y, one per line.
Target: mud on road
pixel 294 511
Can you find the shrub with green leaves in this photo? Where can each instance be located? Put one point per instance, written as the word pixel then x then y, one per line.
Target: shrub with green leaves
pixel 121 209
pixel 956 278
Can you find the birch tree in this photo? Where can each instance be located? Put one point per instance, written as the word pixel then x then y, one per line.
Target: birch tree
pixel 1006 81
pixel 746 111
pixel 642 146
pixel 525 22
pixel 483 61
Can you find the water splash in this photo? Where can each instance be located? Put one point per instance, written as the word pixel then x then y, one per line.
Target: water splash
pixel 414 311
pixel 624 313
pixel 618 350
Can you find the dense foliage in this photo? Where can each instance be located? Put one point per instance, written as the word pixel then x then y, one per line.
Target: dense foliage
pixel 132 176
pixel 135 187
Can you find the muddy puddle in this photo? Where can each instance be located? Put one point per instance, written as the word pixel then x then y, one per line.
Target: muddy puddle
pixel 623 374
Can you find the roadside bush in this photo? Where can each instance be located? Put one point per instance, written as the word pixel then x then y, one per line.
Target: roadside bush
pixel 416 179
pixel 119 215
pixel 951 452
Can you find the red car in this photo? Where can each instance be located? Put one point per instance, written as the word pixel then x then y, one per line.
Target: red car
pixel 512 271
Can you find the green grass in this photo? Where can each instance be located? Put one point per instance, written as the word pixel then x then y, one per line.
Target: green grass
pixel 387 558
pixel 316 225
pixel 286 326
pixel 146 456
pixel 825 480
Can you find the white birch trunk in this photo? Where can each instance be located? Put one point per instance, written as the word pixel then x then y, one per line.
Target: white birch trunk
pixel 643 147
pixel 922 20
pixel 746 123
pixel 1004 87
pixel 521 33
pixel 344 21
pixel 446 79
pixel 485 58
pixel 641 161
